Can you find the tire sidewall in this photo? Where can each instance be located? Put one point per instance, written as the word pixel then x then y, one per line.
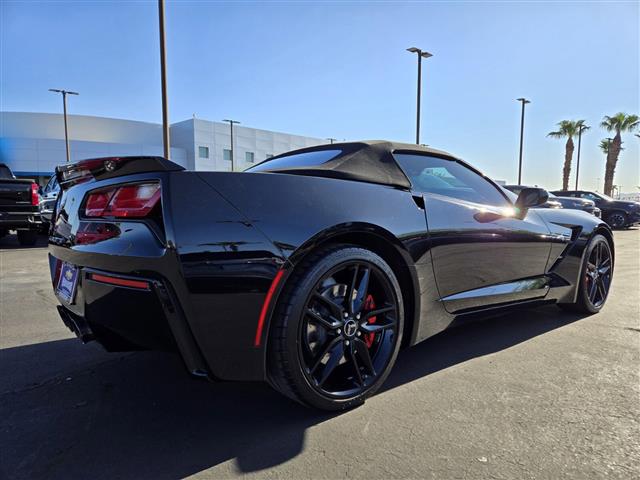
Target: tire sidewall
pixel 293 335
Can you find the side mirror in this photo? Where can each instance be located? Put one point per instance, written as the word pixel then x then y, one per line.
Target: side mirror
pixel 531 197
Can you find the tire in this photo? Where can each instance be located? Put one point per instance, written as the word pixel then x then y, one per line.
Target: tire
pixel 617 220
pixel 595 283
pixel 27 238
pixel 360 348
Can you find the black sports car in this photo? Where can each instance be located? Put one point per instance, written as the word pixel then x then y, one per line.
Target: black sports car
pixel 617 213
pixel 312 269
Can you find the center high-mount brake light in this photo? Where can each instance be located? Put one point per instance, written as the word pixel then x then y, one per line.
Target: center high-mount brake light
pixel 123 201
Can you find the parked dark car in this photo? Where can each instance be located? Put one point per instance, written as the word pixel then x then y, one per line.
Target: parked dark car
pixel 617 213
pixel 312 269
pixel 574 203
pixel 19 206
pixel 48 198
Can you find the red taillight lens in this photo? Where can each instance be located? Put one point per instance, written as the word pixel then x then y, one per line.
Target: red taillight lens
pixel 35 197
pixel 130 201
pixel 94 232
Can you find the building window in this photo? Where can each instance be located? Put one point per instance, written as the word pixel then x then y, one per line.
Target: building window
pixel 226 154
pixel 203 152
pixel 248 157
pixel 269 155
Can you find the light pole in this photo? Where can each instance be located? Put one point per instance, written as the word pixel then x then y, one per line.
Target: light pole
pixel 331 140
pixel 421 54
pixel 64 109
pixel 524 102
pixel 231 122
pixel 581 127
pixel 166 141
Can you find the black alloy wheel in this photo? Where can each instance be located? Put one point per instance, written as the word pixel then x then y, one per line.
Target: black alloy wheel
pixel 598 274
pixel 347 335
pixel 340 327
pixel 595 281
pixel 617 220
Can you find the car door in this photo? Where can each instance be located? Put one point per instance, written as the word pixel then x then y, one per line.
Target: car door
pixel 484 251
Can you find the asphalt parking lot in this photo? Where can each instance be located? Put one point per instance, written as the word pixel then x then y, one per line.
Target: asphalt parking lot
pixel 535 394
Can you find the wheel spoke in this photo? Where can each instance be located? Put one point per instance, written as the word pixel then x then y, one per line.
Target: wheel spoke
pixel 363 352
pixel 377 327
pixel 320 357
pixel 352 288
pixel 335 355
pixel 336 309
pixel 604 270
pixel 379 311
pixel 356 367
pixel 592 290
pixel 363 289
pixel 330 323
pixel 601 289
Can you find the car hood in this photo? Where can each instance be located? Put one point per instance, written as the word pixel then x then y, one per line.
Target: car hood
pixel 568 202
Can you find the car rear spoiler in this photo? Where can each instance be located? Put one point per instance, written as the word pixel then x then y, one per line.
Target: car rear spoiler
pixel 110 167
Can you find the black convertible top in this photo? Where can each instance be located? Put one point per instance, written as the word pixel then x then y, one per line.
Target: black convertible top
pixel 365 161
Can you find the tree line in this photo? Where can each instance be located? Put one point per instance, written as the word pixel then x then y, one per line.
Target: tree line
pixel 619 123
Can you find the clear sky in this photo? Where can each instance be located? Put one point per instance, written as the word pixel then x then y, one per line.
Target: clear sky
pixel 340 69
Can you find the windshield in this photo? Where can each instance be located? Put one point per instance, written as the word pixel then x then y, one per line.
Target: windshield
pixel 5 172
pixel 603 196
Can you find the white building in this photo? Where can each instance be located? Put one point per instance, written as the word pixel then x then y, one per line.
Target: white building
pixel 32 144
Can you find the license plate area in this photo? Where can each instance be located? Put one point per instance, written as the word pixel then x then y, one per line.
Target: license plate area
pixel 67 282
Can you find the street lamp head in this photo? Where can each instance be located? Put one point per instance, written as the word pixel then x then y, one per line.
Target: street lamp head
pixel 422 53
pixel 523 100
pixel 230 121
pixel 65 92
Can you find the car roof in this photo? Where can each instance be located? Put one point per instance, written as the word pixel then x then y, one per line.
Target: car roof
pixel 368 160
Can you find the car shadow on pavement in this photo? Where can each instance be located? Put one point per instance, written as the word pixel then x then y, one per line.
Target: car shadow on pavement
pixel 141 416
pixel 10 242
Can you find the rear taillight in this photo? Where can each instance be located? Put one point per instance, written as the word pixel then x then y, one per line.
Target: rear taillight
pixel 94 232
pixel 35 197
pixel 124 201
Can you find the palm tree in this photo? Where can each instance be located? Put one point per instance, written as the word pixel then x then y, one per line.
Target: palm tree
pixel 620 122
pixel 567 128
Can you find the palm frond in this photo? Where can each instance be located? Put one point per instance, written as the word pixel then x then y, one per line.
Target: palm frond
pixel 620 122
pixel 566 128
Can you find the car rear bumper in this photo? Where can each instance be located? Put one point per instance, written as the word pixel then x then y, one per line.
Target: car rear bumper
pixel 19 220
pixel 120 317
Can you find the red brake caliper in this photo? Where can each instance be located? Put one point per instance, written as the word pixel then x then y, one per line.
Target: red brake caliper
pixel 369 305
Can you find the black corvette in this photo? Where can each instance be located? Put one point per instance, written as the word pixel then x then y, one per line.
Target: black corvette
pixel 312 269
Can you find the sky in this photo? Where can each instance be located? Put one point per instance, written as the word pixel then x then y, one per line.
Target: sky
pixel 340 69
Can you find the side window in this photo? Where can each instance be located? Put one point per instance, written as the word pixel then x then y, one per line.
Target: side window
pixel 589 196
pixel 450 178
